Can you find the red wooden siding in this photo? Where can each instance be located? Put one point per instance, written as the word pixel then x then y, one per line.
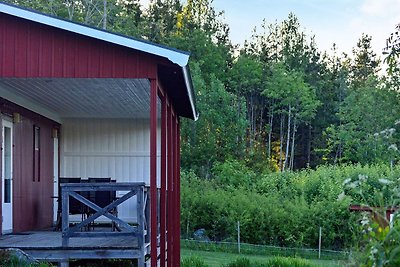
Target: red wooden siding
pixel 33 205
pixel 32 202
pixel 33 50
pixel 30 49
pixel 1 184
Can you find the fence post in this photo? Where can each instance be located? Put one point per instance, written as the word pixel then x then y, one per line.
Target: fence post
pixel 238 235
pixel 319 242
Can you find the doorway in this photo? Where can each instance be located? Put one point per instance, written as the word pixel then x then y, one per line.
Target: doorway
pixel 6 177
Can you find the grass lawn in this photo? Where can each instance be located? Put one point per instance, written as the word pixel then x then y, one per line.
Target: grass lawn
pixel 217 259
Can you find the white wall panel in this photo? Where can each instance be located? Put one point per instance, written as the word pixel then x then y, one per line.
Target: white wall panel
pixel 116 148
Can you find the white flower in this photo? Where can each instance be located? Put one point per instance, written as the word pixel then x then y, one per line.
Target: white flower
pixel 341 196
pixel 353 184
pixel 362 177
pixel 393 146
pixel 384 181
pixel 364 221
pixel 346 181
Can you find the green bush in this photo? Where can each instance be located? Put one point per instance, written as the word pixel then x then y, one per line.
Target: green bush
pixel 273 262
pixel 282 209
pixel 243 262
pixel 11 261
pixel 193 261
pixel 288 262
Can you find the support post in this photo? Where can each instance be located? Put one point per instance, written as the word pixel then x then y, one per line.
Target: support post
pixel 140 220
pixel 238 236
pixel 65 216
pixel 319 242
pixel 153 173
pixel 175 201
pixel 170 208
pixel 163 181
pixel 178 194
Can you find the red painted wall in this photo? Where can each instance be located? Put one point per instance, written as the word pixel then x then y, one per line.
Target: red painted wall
pixel 33 205
pixel 32 200
pixel 29 49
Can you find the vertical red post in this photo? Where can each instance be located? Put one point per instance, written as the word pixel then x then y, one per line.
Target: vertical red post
pixel 163 180
pixel 153 173
pixel 175 232
pixel 170 207
pixel 178 191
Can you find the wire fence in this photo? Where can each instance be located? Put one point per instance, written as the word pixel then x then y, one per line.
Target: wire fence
pixel 252 249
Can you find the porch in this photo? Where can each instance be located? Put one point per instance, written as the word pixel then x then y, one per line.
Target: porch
pixel 47 246
pixel 81 102
pixel 126 241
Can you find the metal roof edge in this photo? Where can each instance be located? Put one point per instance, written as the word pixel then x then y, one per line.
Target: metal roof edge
pixel 180 58
pixel 190 91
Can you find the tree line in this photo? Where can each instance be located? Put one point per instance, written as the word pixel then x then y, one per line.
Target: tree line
pixel 275 103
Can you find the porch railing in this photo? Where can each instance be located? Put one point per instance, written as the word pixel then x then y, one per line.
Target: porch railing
pixel 138 229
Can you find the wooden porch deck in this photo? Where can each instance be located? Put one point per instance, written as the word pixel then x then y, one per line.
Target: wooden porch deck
pixel 130 241
pixel 47 246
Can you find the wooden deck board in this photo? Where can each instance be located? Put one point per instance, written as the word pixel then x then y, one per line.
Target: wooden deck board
pixel 46 245
pixel 52 240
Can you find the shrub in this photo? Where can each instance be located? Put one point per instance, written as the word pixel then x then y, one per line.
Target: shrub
pixel 243 262
pixel 288 262
pixel 193 261
pixel 273 262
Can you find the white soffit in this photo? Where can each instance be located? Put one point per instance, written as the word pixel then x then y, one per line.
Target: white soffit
pixel 58 98
pixel 178 57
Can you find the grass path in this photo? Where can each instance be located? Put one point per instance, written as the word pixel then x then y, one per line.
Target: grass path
pixel 218 259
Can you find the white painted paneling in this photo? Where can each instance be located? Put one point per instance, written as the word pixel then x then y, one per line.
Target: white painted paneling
pixel 116 148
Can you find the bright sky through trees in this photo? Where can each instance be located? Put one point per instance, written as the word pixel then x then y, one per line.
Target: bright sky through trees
pixel 332 21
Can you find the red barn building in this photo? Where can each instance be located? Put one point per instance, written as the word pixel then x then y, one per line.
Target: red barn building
pixel 76 101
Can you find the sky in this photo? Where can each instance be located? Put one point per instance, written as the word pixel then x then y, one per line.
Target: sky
pixel 331 21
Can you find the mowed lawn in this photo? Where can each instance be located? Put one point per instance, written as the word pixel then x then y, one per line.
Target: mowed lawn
pixel 218 259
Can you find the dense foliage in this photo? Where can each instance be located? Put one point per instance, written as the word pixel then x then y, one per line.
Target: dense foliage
pixel 273 262
pixel 194 261
pixel 284 209
pixel 276 103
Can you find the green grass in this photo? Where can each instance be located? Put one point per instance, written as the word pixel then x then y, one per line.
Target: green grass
pixel 218 259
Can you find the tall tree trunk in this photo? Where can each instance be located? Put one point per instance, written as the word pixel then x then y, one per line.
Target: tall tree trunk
pixel 260 129
pixel 293 143
pixel 105 14
pixel 70 7
pixel 309 146
pixel 281 144
pixel 271 120
pixel 248 115
pixel 288 138
pixel 251 122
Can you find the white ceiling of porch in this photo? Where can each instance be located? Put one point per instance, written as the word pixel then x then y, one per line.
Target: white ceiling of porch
pixel 82 98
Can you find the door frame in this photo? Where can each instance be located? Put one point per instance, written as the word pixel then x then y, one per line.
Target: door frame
pixel 5 123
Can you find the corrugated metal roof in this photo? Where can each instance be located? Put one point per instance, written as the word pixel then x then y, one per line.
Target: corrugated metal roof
pixel 82 98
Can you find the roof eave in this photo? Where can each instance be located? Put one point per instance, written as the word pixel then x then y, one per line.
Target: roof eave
pixel 180 58
pixel 190 91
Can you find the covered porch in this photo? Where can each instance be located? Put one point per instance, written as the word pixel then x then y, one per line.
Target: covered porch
pixel 81 102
